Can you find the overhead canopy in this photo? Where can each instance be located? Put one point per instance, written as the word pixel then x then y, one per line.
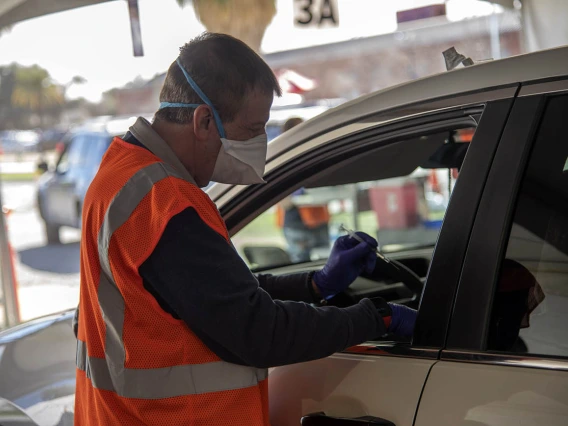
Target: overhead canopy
pixel 14 11
pixel 504 3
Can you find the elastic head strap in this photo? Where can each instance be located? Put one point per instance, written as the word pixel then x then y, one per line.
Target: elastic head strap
pixel 203 97
pixel 177 105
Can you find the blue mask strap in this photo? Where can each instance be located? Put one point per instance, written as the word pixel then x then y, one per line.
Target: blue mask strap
pixel 177 105
pixel 204 98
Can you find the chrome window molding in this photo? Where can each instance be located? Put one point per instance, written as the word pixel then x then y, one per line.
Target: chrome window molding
pixel 392 349
pixel 511 360
pixel 549 87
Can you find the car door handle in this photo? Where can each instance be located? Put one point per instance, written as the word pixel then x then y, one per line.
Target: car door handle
pixel 320 419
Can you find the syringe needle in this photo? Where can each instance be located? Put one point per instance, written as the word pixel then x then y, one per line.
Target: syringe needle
pixel 353 235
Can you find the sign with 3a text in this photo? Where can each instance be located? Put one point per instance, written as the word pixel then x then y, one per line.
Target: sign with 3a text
pixel 315 13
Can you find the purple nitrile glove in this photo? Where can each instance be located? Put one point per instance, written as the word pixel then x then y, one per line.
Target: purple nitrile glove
pixel 348 259
pixel 402 321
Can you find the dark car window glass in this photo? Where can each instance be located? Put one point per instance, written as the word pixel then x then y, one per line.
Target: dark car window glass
pixel 530 309
pixel 397 197
pixel 74 155
pixel 78 151
pixel 95 151
pixel 63 162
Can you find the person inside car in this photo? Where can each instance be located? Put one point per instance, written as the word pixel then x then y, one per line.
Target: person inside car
pixel 518 295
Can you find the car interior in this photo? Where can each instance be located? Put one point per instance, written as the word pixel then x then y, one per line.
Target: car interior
pixel 410 179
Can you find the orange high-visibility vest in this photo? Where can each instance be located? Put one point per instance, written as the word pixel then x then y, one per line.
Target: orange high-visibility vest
pixel 312 216
pixel 136 364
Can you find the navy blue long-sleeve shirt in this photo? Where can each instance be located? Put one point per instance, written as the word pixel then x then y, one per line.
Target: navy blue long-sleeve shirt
pixel 263 321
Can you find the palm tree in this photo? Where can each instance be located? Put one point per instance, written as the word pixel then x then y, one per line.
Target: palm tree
pixel 246 20
pixel 34 90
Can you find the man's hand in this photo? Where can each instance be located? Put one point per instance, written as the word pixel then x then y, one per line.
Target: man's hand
pixel 348 259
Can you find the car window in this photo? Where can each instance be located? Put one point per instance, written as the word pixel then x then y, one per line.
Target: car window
pixel 404 210
pixel 95 150
pixel 74 156
pixel 63 162
pixel 530 308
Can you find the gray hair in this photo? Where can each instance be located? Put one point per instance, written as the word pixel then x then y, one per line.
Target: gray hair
pixel 224 68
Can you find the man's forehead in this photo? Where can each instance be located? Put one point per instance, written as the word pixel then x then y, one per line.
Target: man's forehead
pixel 256 108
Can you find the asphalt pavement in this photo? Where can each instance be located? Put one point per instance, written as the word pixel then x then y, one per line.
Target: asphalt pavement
pixel 47 275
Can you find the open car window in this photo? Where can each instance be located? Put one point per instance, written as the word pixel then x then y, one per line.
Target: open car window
pixel 398 193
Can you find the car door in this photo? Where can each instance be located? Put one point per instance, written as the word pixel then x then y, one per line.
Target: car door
pixel 381 379
pixel 61 193
pixel 506 361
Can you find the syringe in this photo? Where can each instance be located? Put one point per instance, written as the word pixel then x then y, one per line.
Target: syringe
pixel 352 234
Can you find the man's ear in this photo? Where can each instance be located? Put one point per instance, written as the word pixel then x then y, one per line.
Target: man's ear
pixel 203 122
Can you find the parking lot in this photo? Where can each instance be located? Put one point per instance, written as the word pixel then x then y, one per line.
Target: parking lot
pixel 48 277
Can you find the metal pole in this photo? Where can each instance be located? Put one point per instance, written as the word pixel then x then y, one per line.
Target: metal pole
pixel 494 35
pixel 11 316
pixel 355 201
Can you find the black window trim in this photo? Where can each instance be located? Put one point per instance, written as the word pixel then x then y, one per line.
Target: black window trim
pixel 467 333
pixel 258 198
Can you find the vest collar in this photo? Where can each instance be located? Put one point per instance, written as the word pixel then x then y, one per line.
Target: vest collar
pixel 143 131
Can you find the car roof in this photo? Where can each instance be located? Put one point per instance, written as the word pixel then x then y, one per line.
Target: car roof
pixel 279 116
pixel 516 69
pixel 513 70
pixel 112 126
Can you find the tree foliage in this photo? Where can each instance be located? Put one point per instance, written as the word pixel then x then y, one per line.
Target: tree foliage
pixel 34 89
pixel 28 95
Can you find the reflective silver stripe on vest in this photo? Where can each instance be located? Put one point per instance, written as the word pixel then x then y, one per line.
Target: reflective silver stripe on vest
pixel 153 383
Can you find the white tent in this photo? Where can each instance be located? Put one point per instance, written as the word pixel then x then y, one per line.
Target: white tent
pixel 14 11
pixel 544 22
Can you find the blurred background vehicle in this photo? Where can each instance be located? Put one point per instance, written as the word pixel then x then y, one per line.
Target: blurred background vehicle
pixel 62 188
pixel 19 141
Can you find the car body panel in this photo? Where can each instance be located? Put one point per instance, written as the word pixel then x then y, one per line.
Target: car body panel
pixel 12 415
pixel 346 385
pixel 491 395
pixel 37 365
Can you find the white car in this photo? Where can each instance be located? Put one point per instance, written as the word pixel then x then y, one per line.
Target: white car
pixel 489 275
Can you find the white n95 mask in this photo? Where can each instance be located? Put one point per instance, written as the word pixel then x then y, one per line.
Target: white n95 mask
pixel 241 162
pixel 238 162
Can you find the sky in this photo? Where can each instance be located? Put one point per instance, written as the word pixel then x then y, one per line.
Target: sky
pixel 95 42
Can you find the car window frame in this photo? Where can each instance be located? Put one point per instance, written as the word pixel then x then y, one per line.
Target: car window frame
pixel 64 153
pixel 282 180
pixel 474 302
pixel 77 139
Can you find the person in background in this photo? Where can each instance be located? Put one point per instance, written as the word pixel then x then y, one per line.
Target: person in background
pixel 305 227
pixel 518 295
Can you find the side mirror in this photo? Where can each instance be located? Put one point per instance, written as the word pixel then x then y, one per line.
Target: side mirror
pixel 263 257
pixel 42 167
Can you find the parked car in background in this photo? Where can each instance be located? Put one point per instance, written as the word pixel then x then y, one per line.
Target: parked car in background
pixel 19 141
pixel 61 191
pixel 50 138
pixel 491 284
